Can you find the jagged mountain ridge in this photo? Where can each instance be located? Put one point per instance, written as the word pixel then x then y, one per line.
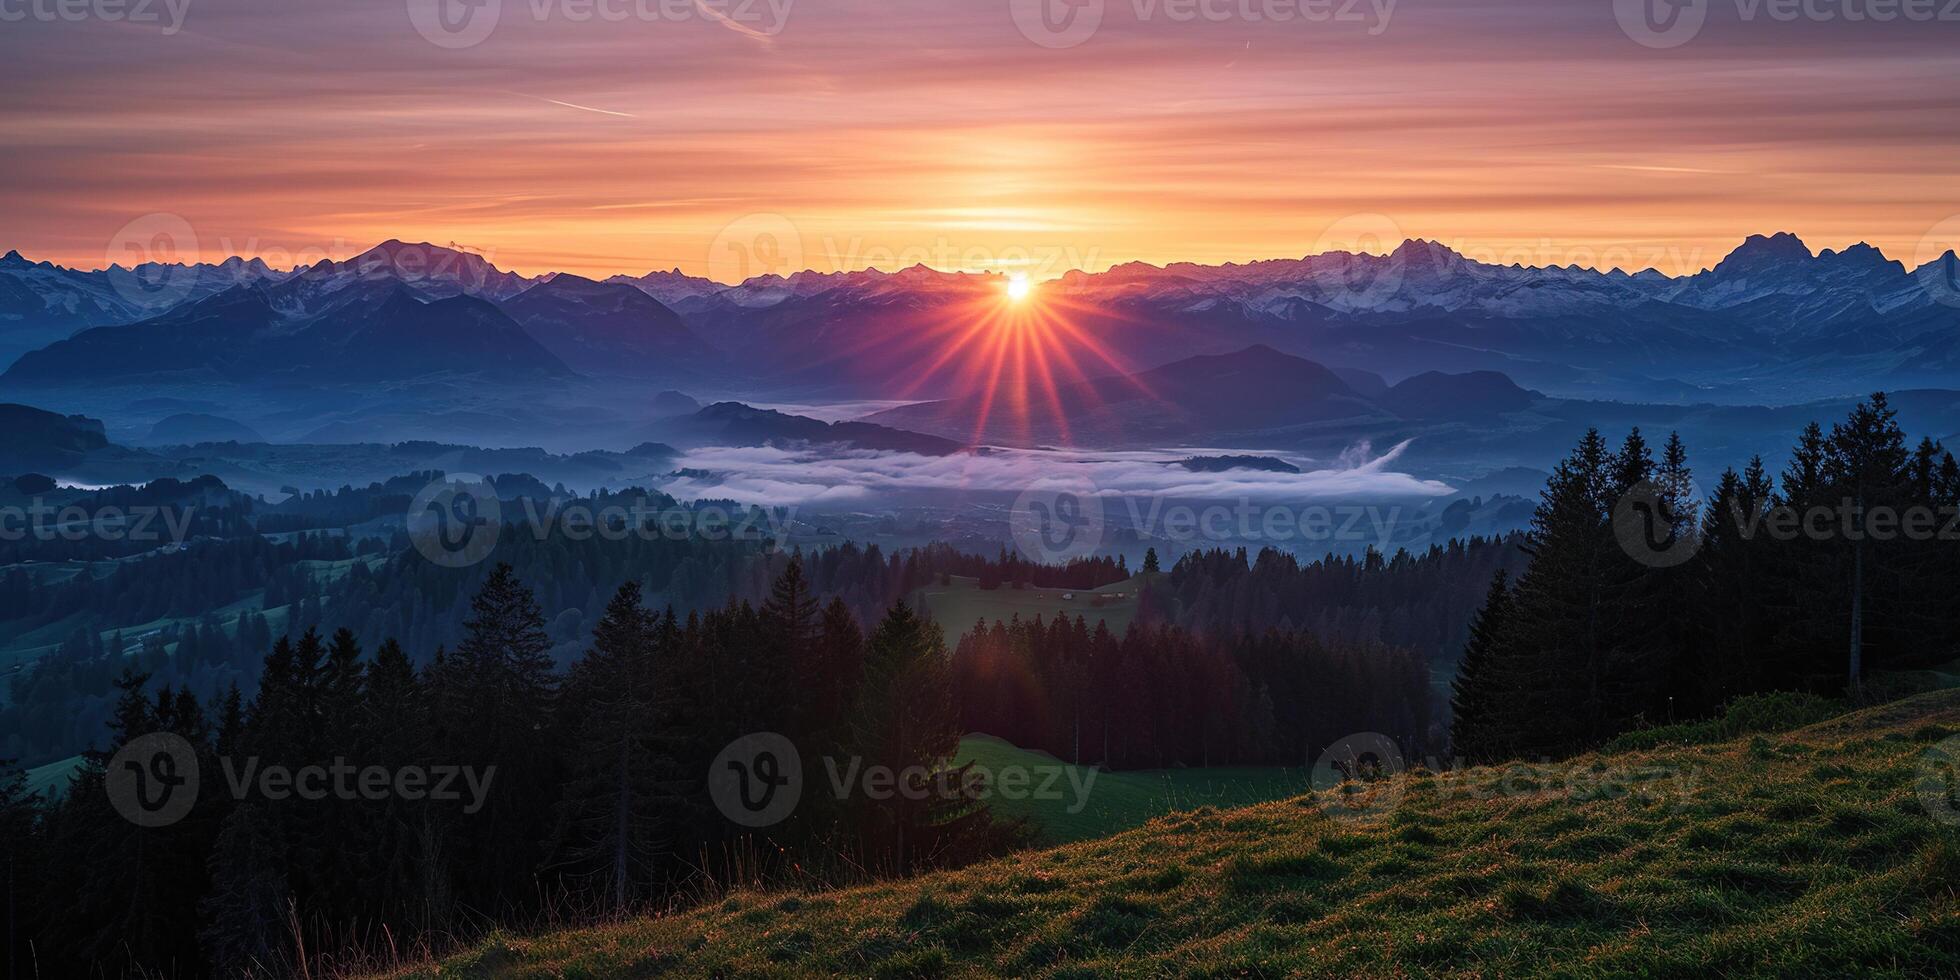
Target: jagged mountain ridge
pixel 1771 322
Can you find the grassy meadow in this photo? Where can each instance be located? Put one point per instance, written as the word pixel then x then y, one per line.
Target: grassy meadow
pixel 1806 853
pixel 1118 801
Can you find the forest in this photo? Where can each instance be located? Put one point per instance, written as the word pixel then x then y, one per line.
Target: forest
pixel 598 804
pixel 1836 578
pixel 598 679
pixel 163 613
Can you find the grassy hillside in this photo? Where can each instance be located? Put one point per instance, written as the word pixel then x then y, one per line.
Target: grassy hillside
pixel 1808 853
pixel 1118 801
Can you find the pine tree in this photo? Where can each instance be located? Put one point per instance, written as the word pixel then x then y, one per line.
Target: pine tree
pixel 788 666
pixel 389 730
pixel 1477 693
pixel 1866 466
pixel 904 722
pixel 492 698
pixel 838 670
pixel 1801 583
pixel 618 806
pixel 137 889
pixel 1735 652
pixel 1580 660
pixel 24 865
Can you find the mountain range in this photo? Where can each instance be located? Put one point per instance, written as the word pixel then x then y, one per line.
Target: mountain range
pixel 1772 323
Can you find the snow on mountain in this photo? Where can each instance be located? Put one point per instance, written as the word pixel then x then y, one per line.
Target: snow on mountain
pixel 670 287
pixel 1771 312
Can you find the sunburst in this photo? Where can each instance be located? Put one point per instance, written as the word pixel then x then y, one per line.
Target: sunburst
pixel 1016 347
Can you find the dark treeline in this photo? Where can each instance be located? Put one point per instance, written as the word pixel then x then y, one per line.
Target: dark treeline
pixel 133 520
pixel 1162 696
pixel 383 590
pixel 596 804
pixel 1421 602
pixel 1642 605
pixel 53 525
pixel 1011 569
pixel 327 582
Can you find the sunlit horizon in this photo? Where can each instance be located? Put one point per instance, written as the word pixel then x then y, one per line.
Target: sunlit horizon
pixel 1674 261
pixel 1537 129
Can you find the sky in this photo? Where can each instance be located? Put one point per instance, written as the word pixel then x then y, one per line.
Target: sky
pixel 733 137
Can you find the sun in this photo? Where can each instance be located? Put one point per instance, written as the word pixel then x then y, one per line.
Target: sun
pixel 1019 288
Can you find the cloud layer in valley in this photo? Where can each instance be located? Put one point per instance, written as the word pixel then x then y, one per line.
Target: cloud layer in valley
pixel 771 476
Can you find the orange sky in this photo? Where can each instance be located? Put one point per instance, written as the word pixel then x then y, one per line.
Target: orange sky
pixel 847 134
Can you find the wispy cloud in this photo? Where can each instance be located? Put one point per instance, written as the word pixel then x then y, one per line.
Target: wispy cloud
pixel 1640 168
pixel 732 24
pixel 581 108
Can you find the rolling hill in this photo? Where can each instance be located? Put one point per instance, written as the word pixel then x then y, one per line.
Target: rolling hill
pixel 37 439
pixel 736 424
pixel 1208 399
pixel 1809 853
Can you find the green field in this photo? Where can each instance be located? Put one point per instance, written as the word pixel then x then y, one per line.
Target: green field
pixel 1117 801
pixel 1810 853
pixel 962 603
